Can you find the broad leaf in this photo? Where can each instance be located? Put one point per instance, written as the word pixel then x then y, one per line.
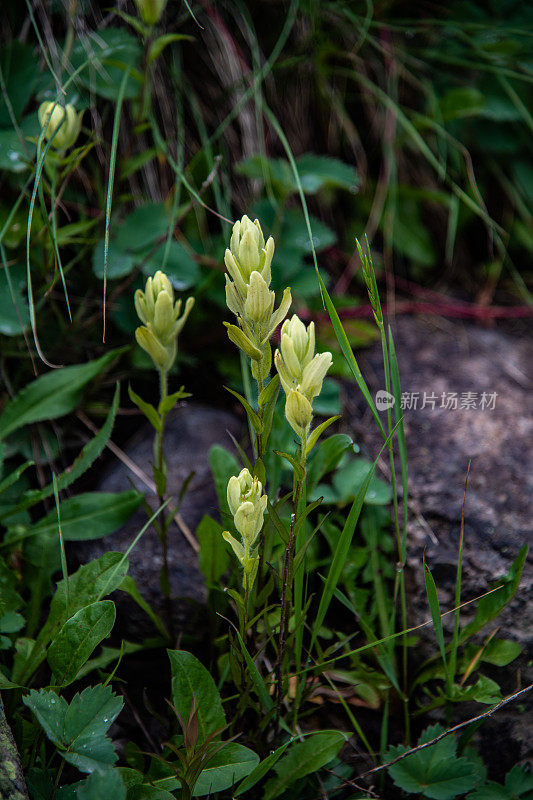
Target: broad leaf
pixel 228 766
pixel 81 464
pixel 190 677
pixel 303 758
pixel 51 396
pixel 107 53
pixel 86 516
pixel 106 784
pixel 77 639
pixel 213 558
pixel 79 729
pixel 434 772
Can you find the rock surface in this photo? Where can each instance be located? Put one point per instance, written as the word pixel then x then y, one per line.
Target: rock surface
pixel 190 432
pixel 438 357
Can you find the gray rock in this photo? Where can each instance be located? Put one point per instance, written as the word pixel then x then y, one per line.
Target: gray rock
pixel 189 433
pixel 437 356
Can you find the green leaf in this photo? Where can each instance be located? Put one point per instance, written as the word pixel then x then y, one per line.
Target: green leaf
pixel 316 173
pixel 142 227
pixel 119 262
pixel 460 102
pixel 159 44
pixel 181 268
pixel 51 396
pixel 223 465
pixel 328 403
pixel 88 584
pixel 79 729
pixel 213 558
pixel 86 516
pixel 327 456
pixel 303 758
pixel 269 391
pixel 10 600
pixel 77 639
pixel 500 652
pixel 298 469
pixel 81 464
pixel 107 784
pixel 434 772
pixel 257 680
pixel 318 431
pixel 261 770
pixel 226 767
pixel 252 415
pixel 20 71
pixel 50 710
pixel 349 478
pixel 87 720
pixel 109 51
pixel 322 172
pixel 148 409
pixel 434 607
pixel 490 606
pixel 189 676
pixel 167 403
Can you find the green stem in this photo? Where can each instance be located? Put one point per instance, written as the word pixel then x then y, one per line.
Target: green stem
pixel 164 519
pixel 401 559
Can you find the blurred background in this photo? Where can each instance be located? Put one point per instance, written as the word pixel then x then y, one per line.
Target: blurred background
pixel 406 123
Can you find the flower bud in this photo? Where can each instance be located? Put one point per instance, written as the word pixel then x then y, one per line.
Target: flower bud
pixel 299 412
pixel 160 314
pixel 248 260
pixel 247 504
pixel 61 125
pixel 259 301
pixel 301 372
pixel 150 10
pixel 314 374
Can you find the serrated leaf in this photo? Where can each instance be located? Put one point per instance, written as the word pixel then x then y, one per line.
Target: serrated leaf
pixel 190 677
pixel 51 396
pixel 87 720
pixel 303 758
pixel 77 639
pixel 50 710
pixel 99 785
pixel 226 767
pixel 435 772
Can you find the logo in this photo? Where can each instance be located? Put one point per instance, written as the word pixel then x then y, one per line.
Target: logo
pixel 384 400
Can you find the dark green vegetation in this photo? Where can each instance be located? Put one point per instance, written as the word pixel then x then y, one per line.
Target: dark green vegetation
pixel 325 120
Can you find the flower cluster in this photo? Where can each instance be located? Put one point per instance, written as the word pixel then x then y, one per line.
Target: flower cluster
pixel 301 372
pixel 63 124
pixel 248 294
pixel 161 317
pixel 247 504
